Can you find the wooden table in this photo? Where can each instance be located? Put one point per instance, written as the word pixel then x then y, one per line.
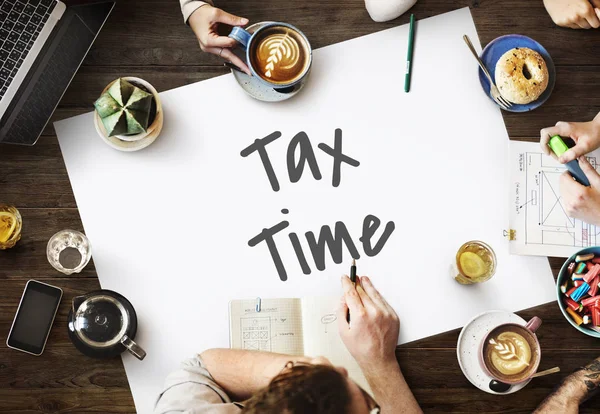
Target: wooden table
pixel 147 38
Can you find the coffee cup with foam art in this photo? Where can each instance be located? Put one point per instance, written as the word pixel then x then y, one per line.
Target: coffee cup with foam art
pixel 510 352
pixel 278 54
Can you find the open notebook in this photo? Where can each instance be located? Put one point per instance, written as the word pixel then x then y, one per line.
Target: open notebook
pixel 306 326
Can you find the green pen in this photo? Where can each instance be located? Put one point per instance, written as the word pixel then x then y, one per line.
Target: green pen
pixel 409 55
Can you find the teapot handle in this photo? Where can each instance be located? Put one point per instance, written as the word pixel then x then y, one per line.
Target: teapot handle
pixel 77 301
pixel 133 348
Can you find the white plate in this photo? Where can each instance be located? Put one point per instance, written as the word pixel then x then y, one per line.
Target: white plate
pixel 467 348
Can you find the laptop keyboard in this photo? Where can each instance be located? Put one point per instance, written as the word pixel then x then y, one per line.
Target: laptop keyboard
pixel 20 24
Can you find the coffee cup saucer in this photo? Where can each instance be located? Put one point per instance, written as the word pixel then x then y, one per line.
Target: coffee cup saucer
pixel 256 88
pixel 467 348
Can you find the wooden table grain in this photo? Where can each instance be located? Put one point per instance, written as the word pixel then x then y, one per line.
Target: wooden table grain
pixel 147 38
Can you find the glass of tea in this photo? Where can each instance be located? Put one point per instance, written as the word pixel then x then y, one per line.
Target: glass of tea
pixel 10 226
pixel 69 251
pixel 475 263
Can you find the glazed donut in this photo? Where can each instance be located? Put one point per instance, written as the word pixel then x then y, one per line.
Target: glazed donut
pixel 521 75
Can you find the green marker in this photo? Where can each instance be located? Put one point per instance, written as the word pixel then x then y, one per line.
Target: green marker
pixel 409 55
pixel 558 146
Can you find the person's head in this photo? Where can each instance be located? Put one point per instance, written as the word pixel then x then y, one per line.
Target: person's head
pixel 316 387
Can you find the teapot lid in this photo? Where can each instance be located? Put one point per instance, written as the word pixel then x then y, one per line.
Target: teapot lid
pixel 101 321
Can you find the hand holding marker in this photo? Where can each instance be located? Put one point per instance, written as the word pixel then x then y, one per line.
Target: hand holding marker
pixel 558 146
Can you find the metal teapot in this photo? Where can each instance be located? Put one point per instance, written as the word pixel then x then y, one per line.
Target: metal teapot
pixel 103 324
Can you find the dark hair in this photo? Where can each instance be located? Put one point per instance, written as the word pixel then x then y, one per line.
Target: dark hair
pixel 314 389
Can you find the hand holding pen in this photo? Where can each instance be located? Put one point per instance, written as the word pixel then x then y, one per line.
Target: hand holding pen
pixel 372 334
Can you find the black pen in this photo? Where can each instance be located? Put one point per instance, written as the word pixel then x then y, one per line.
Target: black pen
pixel 353 280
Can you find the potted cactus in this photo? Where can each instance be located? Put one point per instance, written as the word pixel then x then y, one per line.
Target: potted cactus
pixel 128 114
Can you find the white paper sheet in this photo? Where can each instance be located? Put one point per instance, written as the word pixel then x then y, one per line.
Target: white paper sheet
pixel 170 225
pixel 537 211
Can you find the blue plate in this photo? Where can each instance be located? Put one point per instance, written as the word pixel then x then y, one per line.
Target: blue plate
pixel 497 47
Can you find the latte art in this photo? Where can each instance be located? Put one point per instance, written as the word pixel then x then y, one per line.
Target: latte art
pixel 283 51
pixel 280 55
pixel 509 353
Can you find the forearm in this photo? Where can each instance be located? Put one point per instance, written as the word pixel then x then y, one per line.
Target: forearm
pixel 586 381
pixel 241 373
pixel 190 6
pixel 390 389
pixel 574 390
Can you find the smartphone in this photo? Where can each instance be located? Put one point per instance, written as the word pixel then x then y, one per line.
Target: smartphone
pixel 35 316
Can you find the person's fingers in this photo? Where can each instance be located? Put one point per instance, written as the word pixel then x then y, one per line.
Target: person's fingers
pixel 227 54
pixel 565 180
pixel 375 295
pixel 580 149
pixel 597 10
pixel 567 185
pixel 372 292
pixel 365 298
pixel 342 313
pixel 592 19
pixel 595 3
pixel 562 129
pixel 545 135
pixel 222 16
pixel 353 300
pixel 583 23
pixel 570 192
pixel 565 129
pixel 589 14
pixel 220 41
pixel 589 171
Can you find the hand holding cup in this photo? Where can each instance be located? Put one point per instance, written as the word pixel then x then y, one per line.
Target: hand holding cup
pixel 205 22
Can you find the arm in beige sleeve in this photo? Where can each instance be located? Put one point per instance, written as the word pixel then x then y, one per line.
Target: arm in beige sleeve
pixel 190 6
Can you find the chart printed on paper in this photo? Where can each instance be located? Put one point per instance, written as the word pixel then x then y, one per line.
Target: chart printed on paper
pixel 256 333
pixel 276 327
pixel 537 214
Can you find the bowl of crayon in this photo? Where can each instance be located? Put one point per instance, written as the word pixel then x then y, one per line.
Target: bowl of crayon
pixel 578 290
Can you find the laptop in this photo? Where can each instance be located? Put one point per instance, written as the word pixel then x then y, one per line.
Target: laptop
pixel 42 44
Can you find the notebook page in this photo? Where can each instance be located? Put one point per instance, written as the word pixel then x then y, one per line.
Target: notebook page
pixel 321 337
pixel 276 328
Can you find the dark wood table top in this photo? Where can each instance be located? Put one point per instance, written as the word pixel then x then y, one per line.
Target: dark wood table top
pixel 147 38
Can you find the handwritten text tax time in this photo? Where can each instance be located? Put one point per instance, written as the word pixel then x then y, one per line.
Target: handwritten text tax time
pixel 334 241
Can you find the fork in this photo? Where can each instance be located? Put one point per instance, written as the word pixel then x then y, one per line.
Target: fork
pixel 496 95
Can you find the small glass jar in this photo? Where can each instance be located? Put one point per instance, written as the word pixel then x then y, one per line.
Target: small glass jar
pixel 10 226
pixel 475 263
pixel 69 251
